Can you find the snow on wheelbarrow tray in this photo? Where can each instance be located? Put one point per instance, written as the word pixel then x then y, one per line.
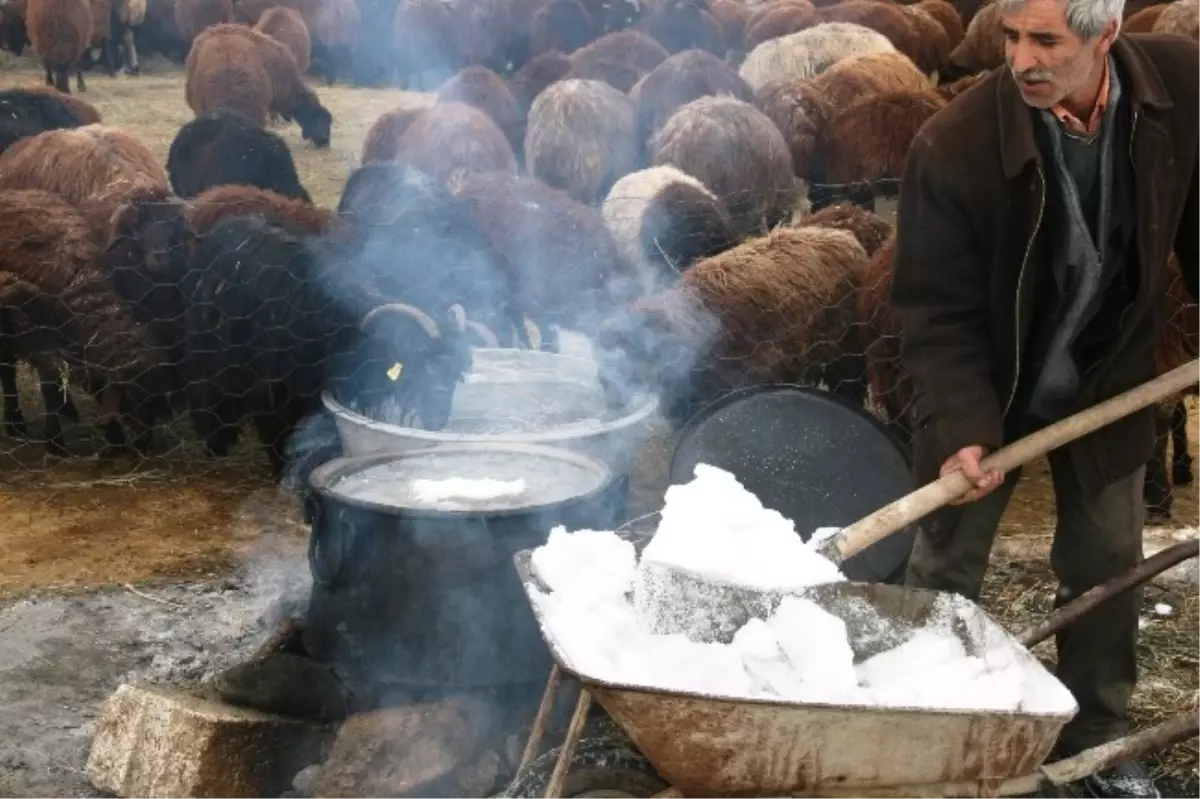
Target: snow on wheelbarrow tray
pixel 707 745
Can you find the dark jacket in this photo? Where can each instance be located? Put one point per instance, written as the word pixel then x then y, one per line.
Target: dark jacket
pixel 972 244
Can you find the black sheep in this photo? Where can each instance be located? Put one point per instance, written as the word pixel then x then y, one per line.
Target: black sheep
pixel 222 147
pixel 419 244
pixel 27 113
pixel 271 324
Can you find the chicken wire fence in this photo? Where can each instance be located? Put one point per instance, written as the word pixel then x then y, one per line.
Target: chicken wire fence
pixel 176 356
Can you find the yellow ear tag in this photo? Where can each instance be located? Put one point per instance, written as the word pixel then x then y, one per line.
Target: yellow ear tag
pixel 394 373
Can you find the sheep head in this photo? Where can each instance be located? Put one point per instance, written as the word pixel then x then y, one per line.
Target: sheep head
pixel 316 123
pixel 410 365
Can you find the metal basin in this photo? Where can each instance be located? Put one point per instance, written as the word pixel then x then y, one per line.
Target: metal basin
pixel 514 396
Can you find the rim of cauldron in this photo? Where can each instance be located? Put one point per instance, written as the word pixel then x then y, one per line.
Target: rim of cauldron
pixel 322 479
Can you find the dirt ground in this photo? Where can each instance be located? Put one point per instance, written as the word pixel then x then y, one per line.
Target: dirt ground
pixel 160 569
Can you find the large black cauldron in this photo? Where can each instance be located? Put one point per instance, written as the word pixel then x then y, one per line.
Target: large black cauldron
pixel 411 595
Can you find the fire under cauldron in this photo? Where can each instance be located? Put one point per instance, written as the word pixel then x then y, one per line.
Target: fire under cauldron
pixel 416 597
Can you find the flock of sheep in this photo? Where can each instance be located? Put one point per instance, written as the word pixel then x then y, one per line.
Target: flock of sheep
pixel 635 172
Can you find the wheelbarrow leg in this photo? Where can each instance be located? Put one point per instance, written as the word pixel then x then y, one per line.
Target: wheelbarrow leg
pixel 538 730
pixel 574 731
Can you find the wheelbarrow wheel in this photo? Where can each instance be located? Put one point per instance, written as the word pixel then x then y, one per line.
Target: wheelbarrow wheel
pixel 601 767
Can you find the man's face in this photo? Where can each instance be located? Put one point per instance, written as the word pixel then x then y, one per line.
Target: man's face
pixel 1048 60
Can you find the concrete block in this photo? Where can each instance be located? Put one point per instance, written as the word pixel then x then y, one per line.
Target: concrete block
pixel 159 742
pixel 417 750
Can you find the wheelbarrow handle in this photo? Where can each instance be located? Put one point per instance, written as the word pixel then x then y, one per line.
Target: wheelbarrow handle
pixel 1084 603
pixel 920 503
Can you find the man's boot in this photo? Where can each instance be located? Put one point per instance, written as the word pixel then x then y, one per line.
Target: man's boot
pixel 1126 780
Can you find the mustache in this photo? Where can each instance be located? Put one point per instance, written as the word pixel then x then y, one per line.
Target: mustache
pixel 1035 74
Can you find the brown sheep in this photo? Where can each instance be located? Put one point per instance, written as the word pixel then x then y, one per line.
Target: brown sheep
pixel 564 268
pixel 221 202
pixel 194 16
pixel 775 20
pixel 982 47
pixel 55 304
pixel 1143 21
pixel 735 151
pixel 85 111
pixel 857 76
pixel 451 140
pixel 677 81
pixel 871 230
pixel 775 309
pixel 869 139
pixel 581 138
pixel 563 25
pixel 886 18
pixel 1181 18
pixel 101 40
pixel 800 114
pixel 684 25
pixel 931 50
pixel 286 26
pixel 60 31
pixel 732 16
pixel 335 28
pixel 483 89
pixel 619 59
pixel 947 16
pixel 382 142
pixel 538 72
pixel 95 168
pixel 889 389
pixel 426 46
pixel 237 68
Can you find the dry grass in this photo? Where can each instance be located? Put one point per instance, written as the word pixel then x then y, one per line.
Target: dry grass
pixel 151 106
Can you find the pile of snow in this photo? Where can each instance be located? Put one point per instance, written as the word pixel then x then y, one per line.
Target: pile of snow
pixel 677 619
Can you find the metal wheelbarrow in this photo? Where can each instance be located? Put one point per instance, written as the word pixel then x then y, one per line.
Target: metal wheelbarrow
pixel 699 745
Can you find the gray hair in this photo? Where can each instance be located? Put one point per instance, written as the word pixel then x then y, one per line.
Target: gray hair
pixel 1087 18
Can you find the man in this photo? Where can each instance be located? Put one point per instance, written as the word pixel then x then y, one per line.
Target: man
pixel 1037 214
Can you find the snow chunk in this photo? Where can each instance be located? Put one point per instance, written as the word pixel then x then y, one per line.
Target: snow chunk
pixel 459 488
pixel 586 561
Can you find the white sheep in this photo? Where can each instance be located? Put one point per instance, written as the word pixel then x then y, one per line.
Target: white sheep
pixel 803 55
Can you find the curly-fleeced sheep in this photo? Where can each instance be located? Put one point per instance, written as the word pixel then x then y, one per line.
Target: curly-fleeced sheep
pixel 889 388
pixel 855 77
pixel 775 20
pixel 60 31
pixel 13 32
pixel 735 151
pixel 947 16
pixel 382 142
pixel 949 91
pixel 779 308
pixel 25 112
pixel 800 114
pixel 564 268
pixel 869 139
pixel 480 87
pixel 663 221
pixel 449 140
pixel 931 45
pixel 222 202
pixel 417 243
pixel 684 25
pixel 271 325
pixel 128 17
pixel 425 46
pixel 810 52
pixel 223 147
pixel 336 27
pixel 1181 18
pixel 1143 20
pixel 286 26
pixel 94 168
pixel 563 25
pixel 732 16
pixel 538 72
pixel 580 138
pixel 103 48
pixel 619 59
pixel 683 77
pixel 982 47
pixel 56 305
pixel 610 16
pixel 235 67
pixel 884 17
pixel 871 230
pixel 192 17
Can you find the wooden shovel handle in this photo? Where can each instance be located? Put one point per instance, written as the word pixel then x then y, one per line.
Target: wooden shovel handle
pixel 920 503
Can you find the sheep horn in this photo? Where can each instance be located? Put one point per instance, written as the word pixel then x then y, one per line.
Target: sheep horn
pixel 460 317
pixel 423 319
pixel 484 333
